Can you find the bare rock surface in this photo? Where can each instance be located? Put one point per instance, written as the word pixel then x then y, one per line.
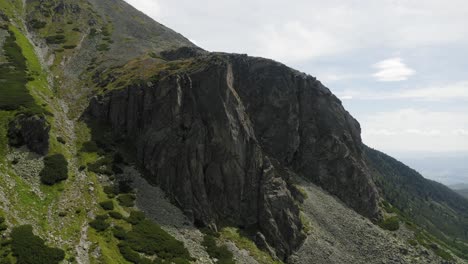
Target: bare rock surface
pixel 340 235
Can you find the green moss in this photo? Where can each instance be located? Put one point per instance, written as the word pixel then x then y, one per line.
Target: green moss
pixel 107 205
pixel 135 217
pixel 126 200
pixel 391 223
pixel 149 238
pixel 30 249
pixel 115 215
pixel 55 169
pixel 221 253
pixel 99 223
pixel 56 39
pixel 14 77
pixel 243 242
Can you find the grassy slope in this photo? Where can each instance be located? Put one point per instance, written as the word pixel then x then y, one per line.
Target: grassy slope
pixel 441 215
pixel 21 204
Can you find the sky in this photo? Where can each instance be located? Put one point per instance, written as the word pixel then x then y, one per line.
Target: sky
pixel 399 66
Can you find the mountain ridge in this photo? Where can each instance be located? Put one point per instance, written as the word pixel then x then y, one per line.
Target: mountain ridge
pixel 207 128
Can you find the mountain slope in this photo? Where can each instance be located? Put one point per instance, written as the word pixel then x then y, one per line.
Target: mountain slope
pixel 223 142
pixel 431 205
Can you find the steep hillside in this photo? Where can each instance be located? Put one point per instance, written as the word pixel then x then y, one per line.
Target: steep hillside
pixel 122 142
pixel 429 204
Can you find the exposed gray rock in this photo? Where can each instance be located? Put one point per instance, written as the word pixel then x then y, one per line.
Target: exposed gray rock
pixel 218 136
pixel 32 131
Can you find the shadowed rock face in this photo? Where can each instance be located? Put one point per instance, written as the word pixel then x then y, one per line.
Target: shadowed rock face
pixel 217 138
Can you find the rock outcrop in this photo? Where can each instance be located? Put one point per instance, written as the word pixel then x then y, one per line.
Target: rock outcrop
pixel 217 136
pixel 32 131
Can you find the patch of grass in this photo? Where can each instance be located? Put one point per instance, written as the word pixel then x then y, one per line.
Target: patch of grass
pixel 115 215
pixel 55 169
pixel 391 223
pixel 30 249
pixel 443 254
pixel 99 223
pixel 306 225
pixel 130 255
pixel 135 217
pixel 101 166
pixel 221 253
pixel 69 46
pixel 37 24
pixel 126 200
pixel 243 242
pixel 14 77
pixel 103 47
pixel 56 39
pixel 149 238
pixel 107 205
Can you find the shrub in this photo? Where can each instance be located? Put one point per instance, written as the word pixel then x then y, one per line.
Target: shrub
pixel 55 39
pixel 101 166
pixel 221 253
pixel 100 223
pixel 90 146
pixel 107 205
pixel 30 249
pixel 127 200
pixel 36 24
pixel 110 191
pixel 103 47
pixel 392 223
pixel 115 215
pixel 55 169
pixel 149 238
pixel 14 93
pixel 61 140
pixel 119 233
pixel 69 46
pixel 135 217
pixel 125 186
pixel 131 255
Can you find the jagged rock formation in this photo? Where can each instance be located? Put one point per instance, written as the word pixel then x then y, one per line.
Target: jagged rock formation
pixel 32 131
pixel 210 134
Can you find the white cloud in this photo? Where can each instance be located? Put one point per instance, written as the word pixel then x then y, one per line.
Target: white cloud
pixel 293 41
pixel 391 70
pixel 312 29
pixel 457 91
pixel 416 130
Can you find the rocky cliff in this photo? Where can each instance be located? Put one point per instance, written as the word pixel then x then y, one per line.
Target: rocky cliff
pixel 217 136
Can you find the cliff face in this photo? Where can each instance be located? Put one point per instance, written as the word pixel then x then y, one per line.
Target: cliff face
pixel 217 137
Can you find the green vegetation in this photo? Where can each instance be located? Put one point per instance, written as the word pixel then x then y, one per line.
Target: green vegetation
pixel 56 39
pixel 99 223
pixel 107 205
pixel 135 217
pixel 243 242
pixel 391 223
pixel 30 249
pixel 55 169
pixel 115 215
pixel 3 225
pixel 37 24
pixel 102 166
pixel 221 253
pixel 103 47
pixel 126 200
pixel 14 77
pixel 431 208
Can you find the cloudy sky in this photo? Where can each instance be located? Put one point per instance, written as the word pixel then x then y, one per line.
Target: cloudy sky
pixel 399 66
